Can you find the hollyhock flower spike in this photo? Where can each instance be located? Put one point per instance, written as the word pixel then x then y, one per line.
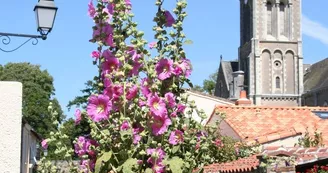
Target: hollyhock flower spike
pixel 99 107
pixel 132 92
pixel 169 19
pixel 77 116
pixel 164 69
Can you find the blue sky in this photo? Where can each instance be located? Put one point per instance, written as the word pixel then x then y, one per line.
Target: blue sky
pixel 213 25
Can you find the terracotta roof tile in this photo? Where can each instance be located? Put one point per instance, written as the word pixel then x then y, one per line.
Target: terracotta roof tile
pixel 303 155
pixel 270 123
pixel 240 165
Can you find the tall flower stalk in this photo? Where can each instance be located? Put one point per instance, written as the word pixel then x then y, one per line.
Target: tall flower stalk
pixel 140 117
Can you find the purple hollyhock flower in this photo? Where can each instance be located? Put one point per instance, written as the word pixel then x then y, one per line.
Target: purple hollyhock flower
pixel 125 125
pixel 169 19
pixel 184 68
pixel 170 99
pixel 157 105
pixel 95 55
pixel 164 68
pixel 107 82
pixel 156 155
pixel 137 128
pixel 82 146
pixel 181 108
pixel 158 167
pixel 44 144
pixel 132 92
pixel 105 28
pixel 110 40
pixel 99 107
pixel 111 63
pixel 160 124
pixel 77 116
pixel 91 10
pixel 176 137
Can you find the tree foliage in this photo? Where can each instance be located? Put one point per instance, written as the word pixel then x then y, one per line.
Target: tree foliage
pixel 38 90
pixel 208 84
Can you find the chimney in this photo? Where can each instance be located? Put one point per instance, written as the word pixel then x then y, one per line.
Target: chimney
pixel 238 82
pixel 243 100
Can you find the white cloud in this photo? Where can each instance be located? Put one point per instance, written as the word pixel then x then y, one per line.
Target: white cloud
pixel 315 30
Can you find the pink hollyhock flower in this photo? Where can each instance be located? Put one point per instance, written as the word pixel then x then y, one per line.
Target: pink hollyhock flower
pixel 132 92
pixel 152 45
pixel 87 166
pixel 218 143
pixel 181 108
pixel 91 10
pixel 114 92
pixel 44 144
pixel 157 105
pixel 109 10
pixel 176 137
pixel 169 19
pixel 107 82
pixel 95 55
pixel 145 90
pixel 184 68
pixel 160 124
pixel 142 103
pixel 110 40
pixel 139 162
pixel 99 107
pixel 156 155
pixel 170 99
pixel 128 3
pixel 158 168
pixel 106 28
pixel 137 128
pixel 77 116
pixel 82 146
pixel 164 68
pixel 125 125
pixel 111 63
pixel 174 114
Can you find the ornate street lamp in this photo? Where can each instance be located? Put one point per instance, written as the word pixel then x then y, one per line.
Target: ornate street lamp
pixel 45 11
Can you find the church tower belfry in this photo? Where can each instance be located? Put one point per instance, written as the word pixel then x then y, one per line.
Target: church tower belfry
pixel 270 51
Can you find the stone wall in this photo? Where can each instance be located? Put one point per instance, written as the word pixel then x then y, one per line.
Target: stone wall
pixel 63 166
pixel 10 126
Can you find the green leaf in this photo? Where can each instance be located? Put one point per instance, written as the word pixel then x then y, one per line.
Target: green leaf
pixel 176 164
pixel 188 42
pixel 127 134
pixel 103 158
pixel 128 165
pixel 175 149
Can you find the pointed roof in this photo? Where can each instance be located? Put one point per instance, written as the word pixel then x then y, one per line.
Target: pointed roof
pixel 228 67
pixel 316 77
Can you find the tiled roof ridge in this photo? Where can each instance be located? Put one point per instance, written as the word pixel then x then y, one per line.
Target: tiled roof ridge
pixel 273 136
pixel 273 107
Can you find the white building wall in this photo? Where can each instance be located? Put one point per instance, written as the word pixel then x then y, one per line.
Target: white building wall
pixel 206 103
pixel 10 126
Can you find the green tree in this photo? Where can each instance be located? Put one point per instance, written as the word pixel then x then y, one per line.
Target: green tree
pixel 208 84
pixel 81 101
pixel 38 91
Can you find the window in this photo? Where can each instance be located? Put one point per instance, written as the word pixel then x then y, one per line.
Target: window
pixel 282 18
pixel 269 18
pixel 277 82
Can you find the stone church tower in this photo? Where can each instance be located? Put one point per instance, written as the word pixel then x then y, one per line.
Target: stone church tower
pixel 270 52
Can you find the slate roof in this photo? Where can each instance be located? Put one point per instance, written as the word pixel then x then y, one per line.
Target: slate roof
pixel 317 76
pixel 228 67
pixel 302 156
pixel 271 123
